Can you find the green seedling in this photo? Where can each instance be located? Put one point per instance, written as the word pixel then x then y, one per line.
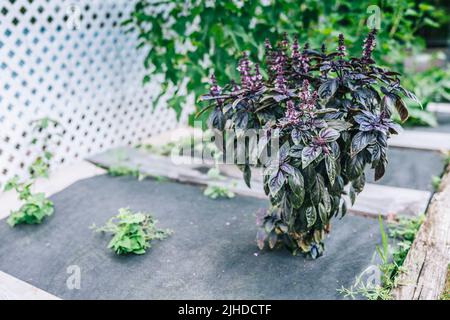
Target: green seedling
pixel 132 232
pixel 35 208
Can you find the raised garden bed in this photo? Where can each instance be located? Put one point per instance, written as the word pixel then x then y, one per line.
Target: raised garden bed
pixel 212 253
pixel 201 259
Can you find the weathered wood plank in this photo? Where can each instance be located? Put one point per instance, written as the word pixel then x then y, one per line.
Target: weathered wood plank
pixel 427 261
pixel 432 141
pixel 373 201
pixel 14 289
pixel 439 107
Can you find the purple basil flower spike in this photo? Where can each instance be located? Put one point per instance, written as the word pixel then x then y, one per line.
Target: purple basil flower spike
pixel 305 47
pixel 369 44
pixel 234 86
pixel 295 50
pixel 280 80
pixel 215 89
pixel 341 46
pixel 257 78
pixel 285 41
pixel 244 71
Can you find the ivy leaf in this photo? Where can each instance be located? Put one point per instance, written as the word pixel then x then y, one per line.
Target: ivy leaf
pixel 309 154
pixel 311 216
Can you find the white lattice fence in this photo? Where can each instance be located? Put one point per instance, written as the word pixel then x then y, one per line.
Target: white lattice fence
pixel 89 79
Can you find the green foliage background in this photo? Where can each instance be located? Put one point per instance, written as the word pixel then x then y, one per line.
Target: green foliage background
pixel 218 31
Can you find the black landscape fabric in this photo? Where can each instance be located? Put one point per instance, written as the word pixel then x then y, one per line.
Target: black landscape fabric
pixel 211 255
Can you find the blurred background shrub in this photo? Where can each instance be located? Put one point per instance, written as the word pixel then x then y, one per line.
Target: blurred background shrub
pixel 191 39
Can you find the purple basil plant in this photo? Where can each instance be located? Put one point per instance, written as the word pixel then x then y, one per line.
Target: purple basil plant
pixel 332 114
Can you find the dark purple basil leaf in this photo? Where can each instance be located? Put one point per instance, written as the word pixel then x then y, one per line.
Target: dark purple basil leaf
pixel 269 225
pixel 236 102
pixel 296 136
pixel 317 189
pixel 388 102
pixel 326 110
pixel 352 195
pixel 339 125
pixel 364 117
pixel 360 141
pixel 343 210
pixel 247 175
pixel 273 237
pixel 309 154
pixel 394 128
pixel 326 199
pixel 284 228
pixel 382 139
pixel 379 171
pixel 319 123
pixel 323 213
pixel 284 151
pixel 329 134
pixel 376 153
pixel 296 151
pixel 330 164
pixel 287 168
pixel 261 238
pixel 355 167
pixel 276 182
pixel 280 97
pixel 411 96
pixel 260 215
pixel 241 120
pixel 328 88
pixel 335 149
pixel 401 109
pixel 216 119
pixel 207 97
pixel 311 216
pixel 358 184
pixel 297 185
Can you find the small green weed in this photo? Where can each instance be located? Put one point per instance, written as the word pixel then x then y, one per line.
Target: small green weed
pixel 132 232
pixel 35 208
pixel 403 232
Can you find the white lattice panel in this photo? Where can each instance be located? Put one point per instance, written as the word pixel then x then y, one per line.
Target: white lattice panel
pixel 89 79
